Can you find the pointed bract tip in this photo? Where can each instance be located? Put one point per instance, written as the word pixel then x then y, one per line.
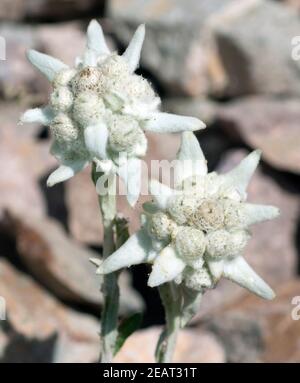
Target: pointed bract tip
pixel 93 23
pixel 100 271
pixel 166 267
pixel 50 182
pixel 46 64
pixel 133 52
pixel 258 152
pixel 271 295
pixel 95 41
pixel 254 213
pixel 95 261
pixel 240 272
pixel 202 125
pixel 142 28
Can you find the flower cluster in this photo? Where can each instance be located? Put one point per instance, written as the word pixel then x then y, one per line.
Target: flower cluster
pixel 195 234
pixel 99 110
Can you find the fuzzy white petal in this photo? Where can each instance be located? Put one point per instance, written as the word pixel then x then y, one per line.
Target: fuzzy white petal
pixel 40 115
pixel 47 65
pixel 172 123
pixel 95 38
pixel 190 159
pixel 240 176
pixel 133 52
pixel 191 303
pixel 216 268
pixel 253 213
pixel 96 137
pixel 64 172
pixel 166 267
pixel 130 172
pixel 89 58
pixel 161 193
pixel 137 249
pixel 238 271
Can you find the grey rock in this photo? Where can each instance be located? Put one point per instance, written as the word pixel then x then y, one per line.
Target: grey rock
pixel 269 124
pixel 175 49
pixel 254 48
pixel 255 329
pixel 241 337
pixel 39 327
pixel 193 346
pixel 12 9
pixel 63 265
pixel 22 161
pixel 17 76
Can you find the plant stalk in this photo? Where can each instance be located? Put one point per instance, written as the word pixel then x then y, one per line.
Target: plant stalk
pixel 172 304
pixel 110 288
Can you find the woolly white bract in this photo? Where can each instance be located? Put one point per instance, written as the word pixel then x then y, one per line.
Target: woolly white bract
pixel 195 234
pixel 99 110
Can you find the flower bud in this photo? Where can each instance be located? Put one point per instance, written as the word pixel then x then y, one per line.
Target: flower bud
pixel 88 108
pixel 160 226
pixel 88 79
pixel 190 243
pixel 208 216
pixel 63 129
pixel 181 208
pixel 114 67
pixel 63 77
pixel 224 244
pixel 61 99
pixel 125 133
pixel 197 279
pixel 232 215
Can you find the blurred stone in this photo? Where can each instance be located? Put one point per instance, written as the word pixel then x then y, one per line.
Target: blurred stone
pixel 292 3
pixel 271 251
pixel 12 9
pixel 176 48
pixel 17 76
pixel 269 124
pixel 22 161
pixel 61 264
pixel 240 336
pixel 84 217
pixel 257 55
pixel 38 324
pixel 193 346
pixel 53 10
pixel 276 332
pixel 66 40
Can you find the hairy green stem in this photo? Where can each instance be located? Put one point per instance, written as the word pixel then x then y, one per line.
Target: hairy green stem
pixel 110 288
pixel 172 304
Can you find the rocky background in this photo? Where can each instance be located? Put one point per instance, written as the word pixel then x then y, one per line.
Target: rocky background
pixel 228 62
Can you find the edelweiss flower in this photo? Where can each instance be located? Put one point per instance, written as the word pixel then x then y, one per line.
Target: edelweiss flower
pixel 99 110
pixel 195 234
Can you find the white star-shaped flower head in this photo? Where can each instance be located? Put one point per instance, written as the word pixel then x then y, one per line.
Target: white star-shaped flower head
pixel 99 111
pixel 195 233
